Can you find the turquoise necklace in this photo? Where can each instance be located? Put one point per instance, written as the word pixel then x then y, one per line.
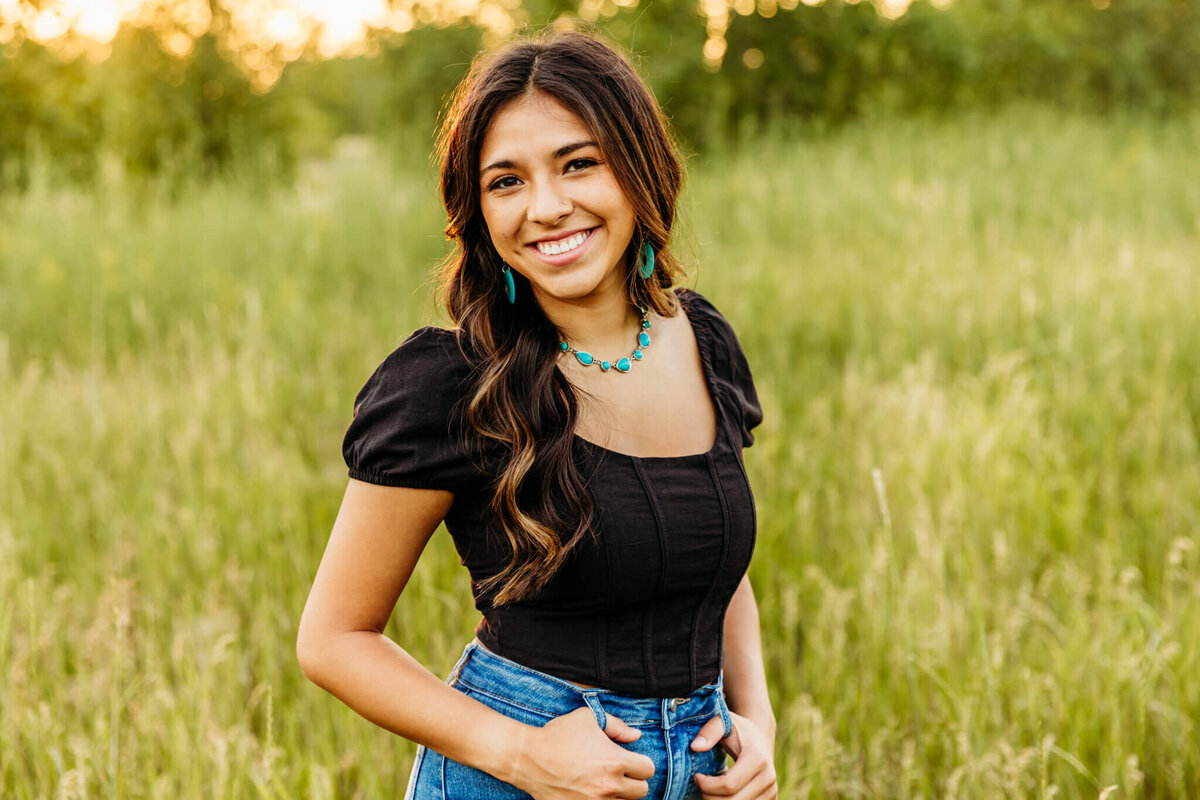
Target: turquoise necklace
pixel 622 364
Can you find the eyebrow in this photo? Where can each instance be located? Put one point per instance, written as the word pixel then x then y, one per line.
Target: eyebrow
pixel 565 150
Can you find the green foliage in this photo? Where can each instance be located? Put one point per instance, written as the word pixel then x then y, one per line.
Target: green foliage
pixel 978 480
pixel 394 94
pixel 812 65
pixel 152 112
pixel 43 105
pixel 197 110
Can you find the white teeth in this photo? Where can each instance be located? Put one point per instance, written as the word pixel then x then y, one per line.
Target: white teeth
pixel 562 246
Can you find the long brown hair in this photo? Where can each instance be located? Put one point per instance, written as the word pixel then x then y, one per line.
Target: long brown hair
pixel 520 400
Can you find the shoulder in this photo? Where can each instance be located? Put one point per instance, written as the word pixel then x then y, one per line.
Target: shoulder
pixel 404 428
pixel 711 326
pixel 731 370
pixel 428 347
pixel 429 362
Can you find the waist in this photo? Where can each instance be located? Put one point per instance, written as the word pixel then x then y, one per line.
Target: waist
pixel 482 670
pixel 666 649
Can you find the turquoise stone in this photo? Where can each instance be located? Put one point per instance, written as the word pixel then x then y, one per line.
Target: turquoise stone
pixel 565 346
pixel 623 365
pixel 584 358
pixel 637 354
pixel 646 324
pixel 604 365
pixel 644 339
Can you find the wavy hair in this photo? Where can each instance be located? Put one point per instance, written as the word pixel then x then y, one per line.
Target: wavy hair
pixel 519 399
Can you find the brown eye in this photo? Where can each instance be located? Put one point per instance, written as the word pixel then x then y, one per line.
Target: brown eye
pixel 581 163
pixel 502 183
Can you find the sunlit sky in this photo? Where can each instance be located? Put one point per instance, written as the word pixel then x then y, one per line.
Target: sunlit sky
pixel 268 33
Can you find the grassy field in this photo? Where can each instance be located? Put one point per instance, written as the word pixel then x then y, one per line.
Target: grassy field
pixel 978 480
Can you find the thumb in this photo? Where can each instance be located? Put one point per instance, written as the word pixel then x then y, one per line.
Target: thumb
pixel 708 735
pixel 733 742
pixel 616 729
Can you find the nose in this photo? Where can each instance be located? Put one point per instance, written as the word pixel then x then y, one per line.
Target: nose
pixel 548 204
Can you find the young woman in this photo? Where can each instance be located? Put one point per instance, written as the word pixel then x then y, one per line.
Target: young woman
pixel 580 432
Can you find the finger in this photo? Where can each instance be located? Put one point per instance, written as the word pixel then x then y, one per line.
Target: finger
pixel 730 782
pixel 708 735
pixel 712 791
pixel 763 787
pixel 733 742
pixel 633 790
pixel 639 767
pixel 618 731
pixel 712 786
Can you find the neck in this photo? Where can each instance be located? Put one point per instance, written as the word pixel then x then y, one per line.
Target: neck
pixel 599 325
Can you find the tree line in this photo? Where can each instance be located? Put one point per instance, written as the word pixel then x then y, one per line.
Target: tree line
pixel 153 111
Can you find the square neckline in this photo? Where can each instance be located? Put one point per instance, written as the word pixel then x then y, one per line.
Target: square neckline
pixel 681 293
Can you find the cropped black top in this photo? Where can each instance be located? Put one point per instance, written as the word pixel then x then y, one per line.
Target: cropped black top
pixel 639 608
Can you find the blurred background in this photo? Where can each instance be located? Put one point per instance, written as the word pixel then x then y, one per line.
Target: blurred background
pixel 957 238
pixel 161 85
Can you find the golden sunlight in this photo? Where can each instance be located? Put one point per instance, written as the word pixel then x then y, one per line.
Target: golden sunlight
pixel 265 35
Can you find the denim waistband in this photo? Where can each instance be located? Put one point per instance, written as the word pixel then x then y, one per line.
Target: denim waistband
pixel 483 671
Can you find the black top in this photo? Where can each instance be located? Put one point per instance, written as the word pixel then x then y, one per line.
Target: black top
pixel 640 608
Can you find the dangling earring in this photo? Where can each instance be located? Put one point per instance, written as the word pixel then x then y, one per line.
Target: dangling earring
pixel 510 288
pixel 646 262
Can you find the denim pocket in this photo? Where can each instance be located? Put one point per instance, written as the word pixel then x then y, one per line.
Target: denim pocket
pixel 508 706
pixel 461 782
pixel 714 761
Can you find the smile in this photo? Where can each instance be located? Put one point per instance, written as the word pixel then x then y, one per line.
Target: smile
pixel 563 245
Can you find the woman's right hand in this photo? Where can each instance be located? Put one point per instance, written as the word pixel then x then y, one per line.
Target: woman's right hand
pixel 570 758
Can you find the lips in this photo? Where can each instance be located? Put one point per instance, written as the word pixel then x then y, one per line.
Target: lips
pixel 565 249
pixel 563 245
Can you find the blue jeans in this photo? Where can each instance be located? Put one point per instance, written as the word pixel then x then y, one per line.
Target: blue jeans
pixel 668 726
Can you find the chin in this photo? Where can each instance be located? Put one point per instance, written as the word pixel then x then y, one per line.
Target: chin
pixel 570 292
pixel 572 287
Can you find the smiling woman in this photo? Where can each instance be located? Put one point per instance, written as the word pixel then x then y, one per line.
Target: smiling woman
pixel 603 513
pixel 543 168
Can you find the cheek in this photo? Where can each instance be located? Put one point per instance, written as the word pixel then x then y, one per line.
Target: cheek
pixel 499 224
pixel 504 243
pixel 621 213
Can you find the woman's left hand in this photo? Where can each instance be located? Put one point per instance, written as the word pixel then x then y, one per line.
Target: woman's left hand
pixel 752 777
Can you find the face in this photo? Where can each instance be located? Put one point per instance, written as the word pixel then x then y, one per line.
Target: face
pixel 552 204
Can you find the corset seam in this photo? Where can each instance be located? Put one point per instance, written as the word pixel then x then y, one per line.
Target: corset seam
pixel 648 612
pixel 715 476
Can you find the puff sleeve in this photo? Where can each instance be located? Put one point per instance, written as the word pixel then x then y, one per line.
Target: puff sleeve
pixel 732 370
pixel 403 431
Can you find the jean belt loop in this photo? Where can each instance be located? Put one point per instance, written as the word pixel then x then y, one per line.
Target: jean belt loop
pixel 463 659
pixel 723 707
pixel 593 702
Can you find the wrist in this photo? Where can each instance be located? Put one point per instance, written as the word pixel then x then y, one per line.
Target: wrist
pixel 762 717
pixel 510 742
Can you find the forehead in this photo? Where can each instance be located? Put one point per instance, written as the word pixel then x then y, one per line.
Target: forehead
pixel 533 125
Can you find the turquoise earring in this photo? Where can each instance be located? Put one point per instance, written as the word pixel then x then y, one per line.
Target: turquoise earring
pixel 646 263
pixel 510 288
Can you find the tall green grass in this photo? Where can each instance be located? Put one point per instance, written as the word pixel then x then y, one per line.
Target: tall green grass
pixel 978 480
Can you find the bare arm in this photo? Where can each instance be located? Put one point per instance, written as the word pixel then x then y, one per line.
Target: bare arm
pixel 752 741
pixel 376 541
pixel 745 676
pixel 379 534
